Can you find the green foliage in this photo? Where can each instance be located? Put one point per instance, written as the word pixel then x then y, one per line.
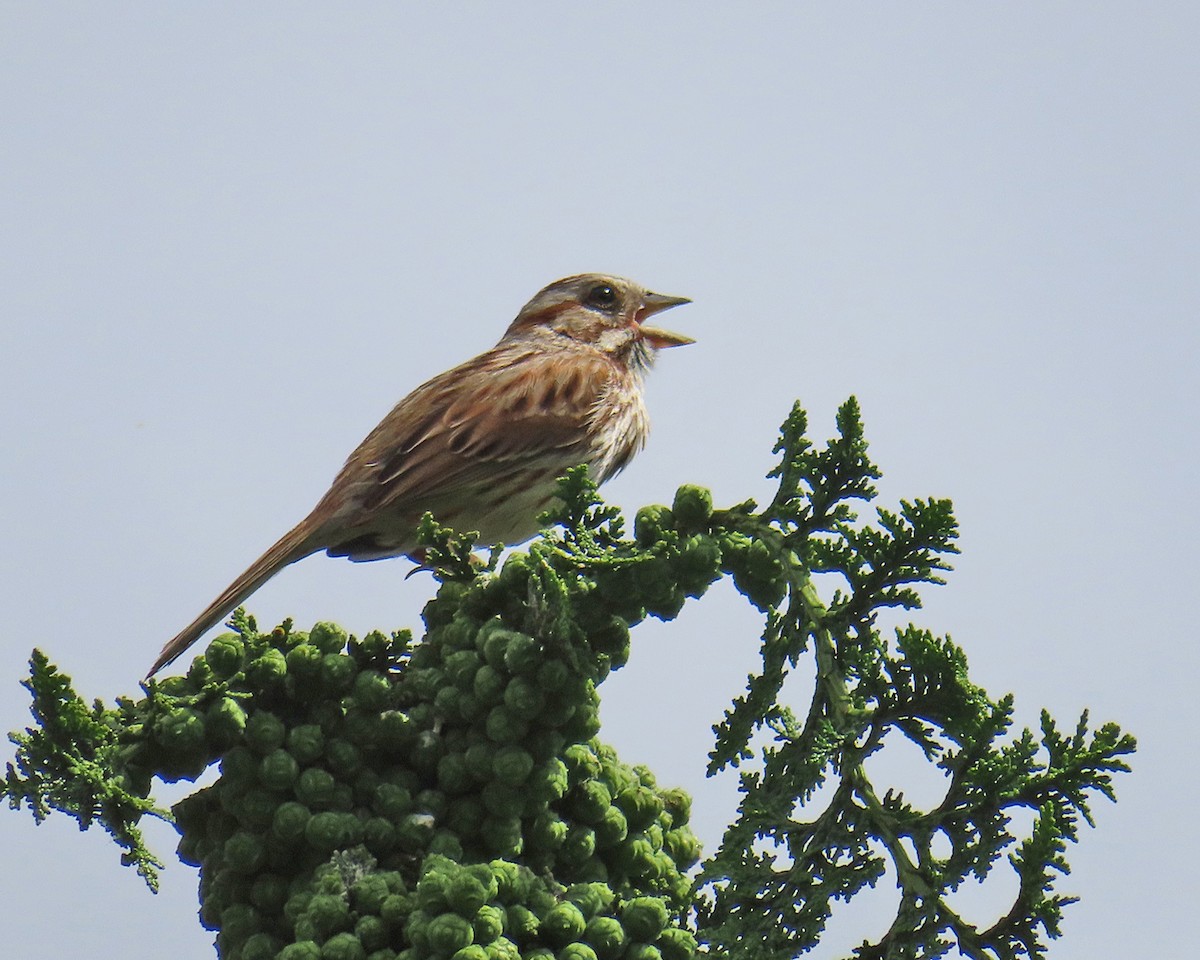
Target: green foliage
pixel 381 799
pixel 67 762
pixel 865 687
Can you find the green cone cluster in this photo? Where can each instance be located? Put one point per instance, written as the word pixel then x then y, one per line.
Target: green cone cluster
pixel 382 800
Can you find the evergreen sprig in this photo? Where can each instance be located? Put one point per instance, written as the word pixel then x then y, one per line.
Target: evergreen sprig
pixel 68 762
pixel 388 799
pixel 865 686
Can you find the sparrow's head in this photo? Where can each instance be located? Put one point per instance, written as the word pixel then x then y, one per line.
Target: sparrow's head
pixel 606 312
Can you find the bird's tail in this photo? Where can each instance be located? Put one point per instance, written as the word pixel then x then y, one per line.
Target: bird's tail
pixel 294 545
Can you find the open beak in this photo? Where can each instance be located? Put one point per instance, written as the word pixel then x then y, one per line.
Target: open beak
pixel 654 303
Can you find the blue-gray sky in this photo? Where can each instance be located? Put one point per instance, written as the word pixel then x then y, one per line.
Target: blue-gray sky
pixel 231 237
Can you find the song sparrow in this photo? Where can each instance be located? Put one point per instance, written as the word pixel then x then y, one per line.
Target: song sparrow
pixel 481 446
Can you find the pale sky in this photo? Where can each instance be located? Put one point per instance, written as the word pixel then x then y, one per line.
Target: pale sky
pixel 232 236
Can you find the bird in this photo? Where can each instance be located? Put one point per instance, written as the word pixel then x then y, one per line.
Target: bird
pixel 481 446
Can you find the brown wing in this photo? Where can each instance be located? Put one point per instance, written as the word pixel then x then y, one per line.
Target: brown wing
pixel 505 408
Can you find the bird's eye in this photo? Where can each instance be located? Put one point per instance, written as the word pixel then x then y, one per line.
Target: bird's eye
pixel 601 296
